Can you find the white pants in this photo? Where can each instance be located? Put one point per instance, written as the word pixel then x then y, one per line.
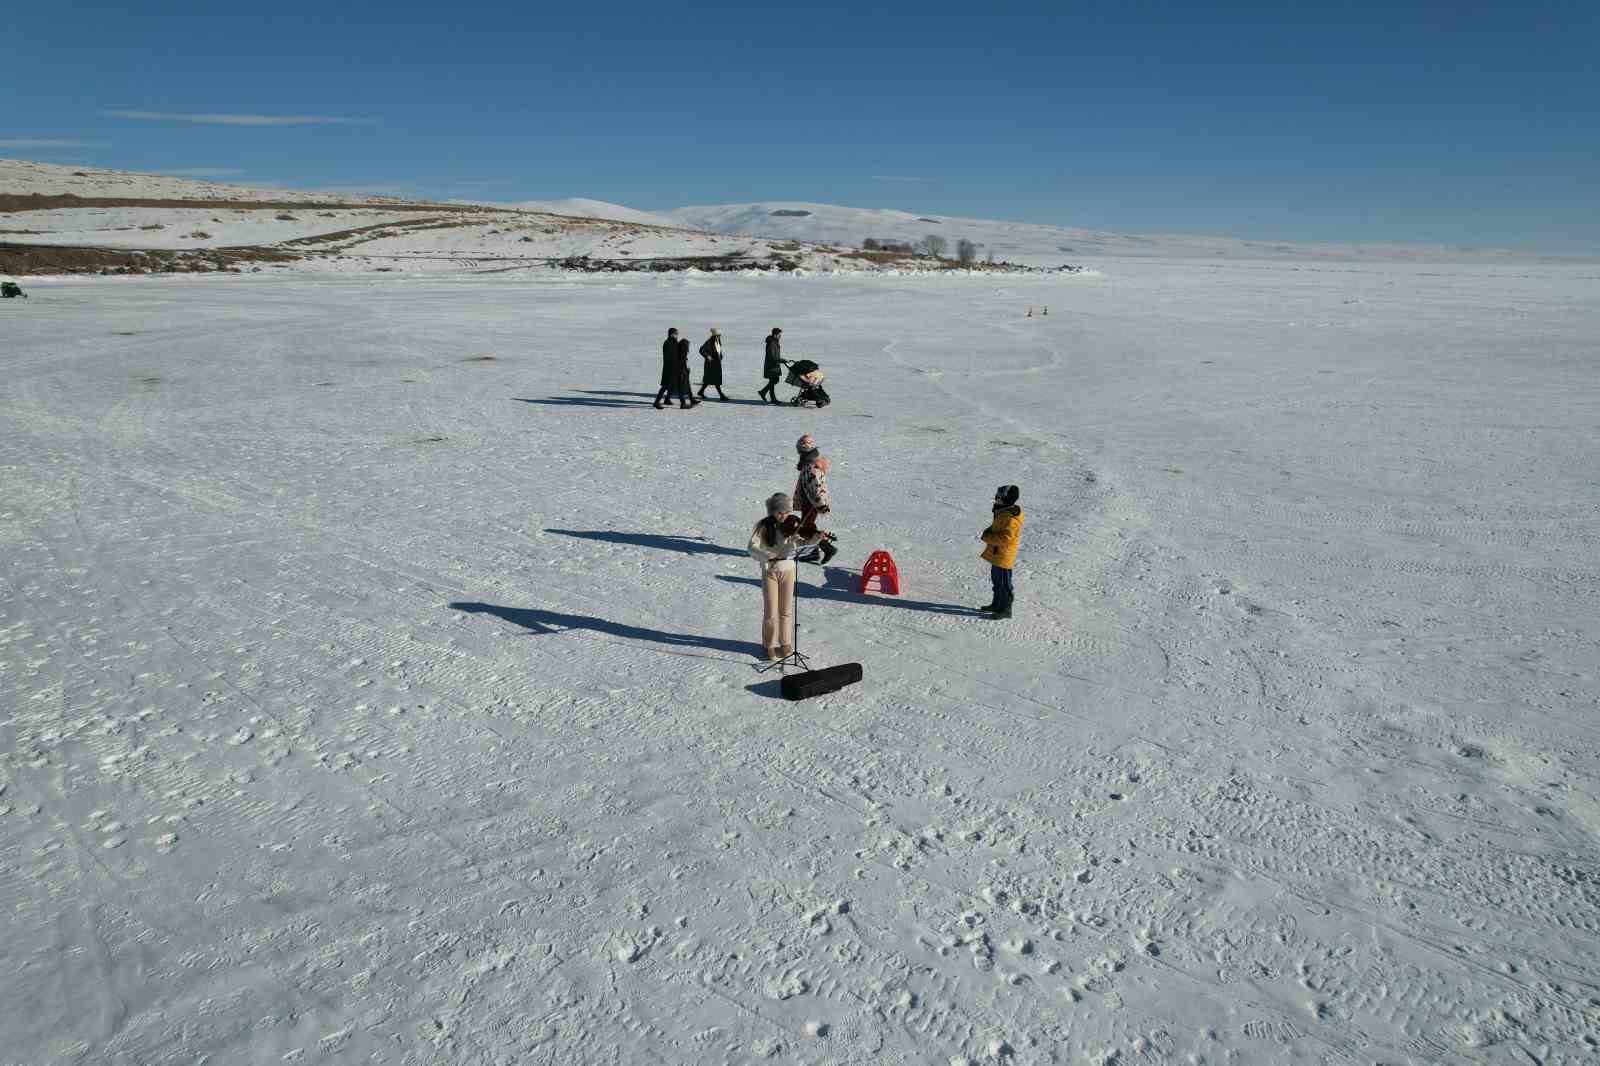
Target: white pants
pixel 777 609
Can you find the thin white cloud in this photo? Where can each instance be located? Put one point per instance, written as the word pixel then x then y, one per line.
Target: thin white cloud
pixel 236 120
pixel 900 177
pixel 204 172
pixel 39 142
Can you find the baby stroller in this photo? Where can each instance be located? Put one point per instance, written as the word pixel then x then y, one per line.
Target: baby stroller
pixel 807 377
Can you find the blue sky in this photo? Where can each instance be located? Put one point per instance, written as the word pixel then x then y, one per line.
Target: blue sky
pixel 1462 123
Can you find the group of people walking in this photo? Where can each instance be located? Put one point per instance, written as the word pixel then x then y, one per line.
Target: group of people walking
pixel 676 380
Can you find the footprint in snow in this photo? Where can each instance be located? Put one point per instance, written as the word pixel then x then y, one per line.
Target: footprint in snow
pixel 786 987
pixel 630 948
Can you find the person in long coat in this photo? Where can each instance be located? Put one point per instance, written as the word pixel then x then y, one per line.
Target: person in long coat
pixel 675 372
pixel 772 366
pixel 711 352
pixel 669 357
pixel 683 381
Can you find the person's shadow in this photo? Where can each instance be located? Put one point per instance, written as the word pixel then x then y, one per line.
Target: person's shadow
pixel 546 622
pixel 839 585
pixel 735 400
pixel 663 541
pixel 576 401
pixel 620 398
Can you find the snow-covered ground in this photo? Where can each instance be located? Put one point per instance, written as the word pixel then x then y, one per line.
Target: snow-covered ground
pixel 377 672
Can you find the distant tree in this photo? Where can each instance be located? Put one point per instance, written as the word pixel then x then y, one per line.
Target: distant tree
pixel 870 244
pixel 934 245
pixel 966 251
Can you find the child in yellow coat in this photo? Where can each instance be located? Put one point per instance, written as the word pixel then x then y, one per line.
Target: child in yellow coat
pixel 1000 548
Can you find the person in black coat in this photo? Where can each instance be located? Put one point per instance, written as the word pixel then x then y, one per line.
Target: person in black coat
pixel 683 381
pixel 711 352
pixel 772 367
pixel 674 371
pixel 669 356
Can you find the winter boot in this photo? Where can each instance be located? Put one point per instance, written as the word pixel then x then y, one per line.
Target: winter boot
pixel 989 607
pixel 828 552
pixel 1002 612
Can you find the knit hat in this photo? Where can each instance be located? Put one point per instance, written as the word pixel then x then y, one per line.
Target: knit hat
pixel 807 443
pixel 1006 495
pixel 779 503
pixel 715 332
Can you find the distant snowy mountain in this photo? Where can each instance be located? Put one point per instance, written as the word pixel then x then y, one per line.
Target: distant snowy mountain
pixel 578 207
pixel 824 223
pixel 1023 242
pixel 1015 241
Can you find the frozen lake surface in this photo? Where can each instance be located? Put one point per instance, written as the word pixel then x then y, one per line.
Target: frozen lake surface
pixel 377 672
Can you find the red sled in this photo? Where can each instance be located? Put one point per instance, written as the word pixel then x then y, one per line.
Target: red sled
pixel 880 565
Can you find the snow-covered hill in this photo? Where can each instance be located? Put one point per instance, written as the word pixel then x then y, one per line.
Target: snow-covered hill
pixel 45 207
pixel 1029 243
pixel 579 207
pixel 22 177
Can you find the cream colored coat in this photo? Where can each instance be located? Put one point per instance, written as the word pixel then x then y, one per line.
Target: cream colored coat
pixel 779 555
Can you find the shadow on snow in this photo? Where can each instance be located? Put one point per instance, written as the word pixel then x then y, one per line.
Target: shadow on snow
pixel 620 398
pixel 743 403
pixel 545 622
pixel 771 689
pixel 578 401
pixel 840 587
pixel 665 542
